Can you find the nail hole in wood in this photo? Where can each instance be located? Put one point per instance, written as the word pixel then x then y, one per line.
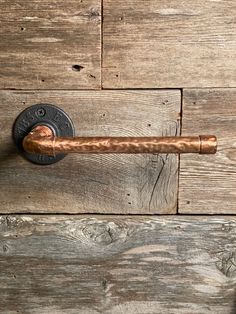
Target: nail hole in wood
pixel 77 67
pixel 93 13
pixel 104 284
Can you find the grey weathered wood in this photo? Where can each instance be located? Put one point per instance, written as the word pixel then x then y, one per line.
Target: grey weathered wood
pixel 93 183
pixel 111 265
pixel 208 183
pixel 41 41
pixel 157 43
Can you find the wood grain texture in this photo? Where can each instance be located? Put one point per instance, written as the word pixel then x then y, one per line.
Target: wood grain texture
pixel 208 183
pixel 116 265
pixel 156 43
pixel 50 44
pixel 93 183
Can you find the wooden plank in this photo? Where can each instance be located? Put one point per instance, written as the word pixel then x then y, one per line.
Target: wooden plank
pixel 111 265
pixel 94 183
pixel 157 43
pixel 50 44
pixel 208 183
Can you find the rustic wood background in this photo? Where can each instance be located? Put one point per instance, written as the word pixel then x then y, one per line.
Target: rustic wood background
pixel 116 265
pixel 159 44
pixel 208 183
pixel 137 67
pixel 50 44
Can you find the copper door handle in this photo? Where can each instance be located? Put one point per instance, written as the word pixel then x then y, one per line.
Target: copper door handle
pixel 41 140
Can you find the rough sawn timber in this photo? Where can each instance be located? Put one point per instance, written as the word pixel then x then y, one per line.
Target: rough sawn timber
pixel 50 44
pixel 208 183
pixel 169 44
pixel 114 265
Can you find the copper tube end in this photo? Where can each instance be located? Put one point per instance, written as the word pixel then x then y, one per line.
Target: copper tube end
pixel 208 144
pixel 41 130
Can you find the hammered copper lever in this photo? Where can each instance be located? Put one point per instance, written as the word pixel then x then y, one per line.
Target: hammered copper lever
pixel 42 141
pixel 45 133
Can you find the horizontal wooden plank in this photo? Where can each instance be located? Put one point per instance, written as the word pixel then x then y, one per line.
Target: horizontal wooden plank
pixel 157 43
pixel 208 183
pixel 50 44
pixel 93 183
pixel 111 265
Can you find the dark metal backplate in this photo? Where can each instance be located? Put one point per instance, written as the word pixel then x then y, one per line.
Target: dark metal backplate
pixel 42 114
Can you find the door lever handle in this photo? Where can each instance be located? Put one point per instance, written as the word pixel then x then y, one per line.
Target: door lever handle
pixel 42 144
pixel 42 141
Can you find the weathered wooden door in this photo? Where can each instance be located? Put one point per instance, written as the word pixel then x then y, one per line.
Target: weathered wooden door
pixel 120 68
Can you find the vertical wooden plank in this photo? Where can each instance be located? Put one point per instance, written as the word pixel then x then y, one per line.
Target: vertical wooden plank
pixel 50 44
pixel 163 44
pixel 208 183
pixel 125 184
